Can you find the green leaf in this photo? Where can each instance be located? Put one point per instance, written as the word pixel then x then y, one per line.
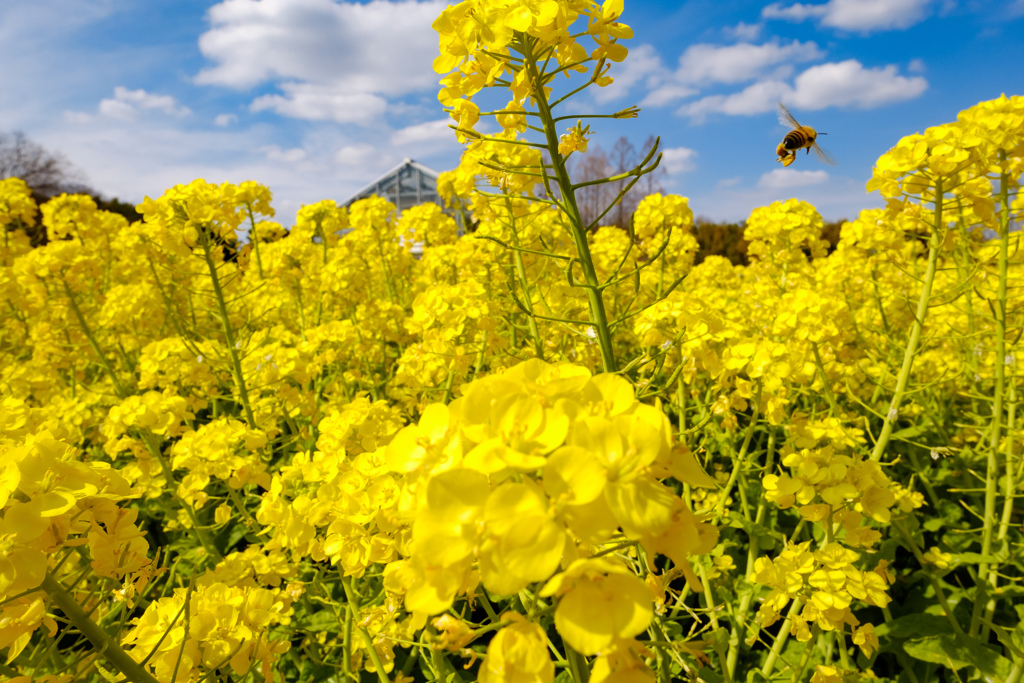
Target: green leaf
pixel 913 625
pixel 1017 635
pixel 958 652
pixel 765 537
pixel 913 432
pixel 978 558
pixel 705 674
pixel 322 620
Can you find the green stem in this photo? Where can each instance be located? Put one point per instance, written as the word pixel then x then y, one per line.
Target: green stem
pixel 990 572
pixel 934 244
pixel 712 609
pixel 87 331
pixel 577 665
pixel 388 282
pixel 229 336
pixel 735 637
pixel 204 538
pixel 524 282
pixel 844 657
pixel 598 315
pixel 798 672
pixel 363 633
pixel 252 238
pixel 104 644
pixel 780 640
pixel 824 380
pixel 939 592
pixel 740 461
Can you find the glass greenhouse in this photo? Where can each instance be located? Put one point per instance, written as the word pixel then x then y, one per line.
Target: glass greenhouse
pixel 408 184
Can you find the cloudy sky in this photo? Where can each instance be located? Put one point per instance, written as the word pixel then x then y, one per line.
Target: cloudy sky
pixel 316 98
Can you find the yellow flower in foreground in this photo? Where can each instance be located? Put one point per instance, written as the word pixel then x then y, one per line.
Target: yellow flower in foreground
pixel 601 602
pixel 518 654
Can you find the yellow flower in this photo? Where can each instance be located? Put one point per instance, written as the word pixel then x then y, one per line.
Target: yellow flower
pixel 574 140
pixel 522 543
pixel 518 653
pixel 865 638
pixel 826 674
pixel 600 603
pixel 936 557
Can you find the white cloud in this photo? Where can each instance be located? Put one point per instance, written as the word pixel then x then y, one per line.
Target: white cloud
pixel 854 15
pixel 322 103
pixel 705 64
pixel 754 99
pixel 424 132
pixel 795 12
pixel 667 94
pixel 743 31
pixel 834 84
pixel 336 58
pixel 125 104
pixel 225 120
pixel 786 178
pixel 678 160
pixel 275 153
pixel 916 66
pixel 356 155
pixel 77 117
pixel 849 84
pixel 729 182
pixel 642 66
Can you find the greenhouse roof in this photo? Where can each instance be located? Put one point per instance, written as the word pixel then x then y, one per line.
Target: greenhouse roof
pixel 406 185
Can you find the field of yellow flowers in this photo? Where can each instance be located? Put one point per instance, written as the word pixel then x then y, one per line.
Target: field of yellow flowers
pixel 542 452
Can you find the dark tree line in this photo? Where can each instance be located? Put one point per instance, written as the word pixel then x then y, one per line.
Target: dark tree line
pixel 49 174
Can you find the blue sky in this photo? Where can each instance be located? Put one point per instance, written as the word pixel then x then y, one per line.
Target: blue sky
pixel 316 98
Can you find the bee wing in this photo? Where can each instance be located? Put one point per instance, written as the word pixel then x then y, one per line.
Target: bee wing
pixel 823 155
pixel 785 118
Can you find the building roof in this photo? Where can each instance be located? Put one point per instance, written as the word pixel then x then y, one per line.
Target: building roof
pixel 407 184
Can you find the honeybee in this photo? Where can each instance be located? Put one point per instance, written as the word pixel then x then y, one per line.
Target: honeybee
pixel 801 137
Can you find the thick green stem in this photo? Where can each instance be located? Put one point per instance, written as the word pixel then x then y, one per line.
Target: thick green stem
pixel 780 640
pixel 104 644
pixel 989 573
pixel 577 665
pixel 1010 478
pixel 598 315
pixel 229 336
pixel 934 244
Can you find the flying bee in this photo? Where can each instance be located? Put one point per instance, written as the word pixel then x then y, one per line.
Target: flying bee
pixel 801 137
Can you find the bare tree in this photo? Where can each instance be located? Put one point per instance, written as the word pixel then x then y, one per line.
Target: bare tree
pixel 624 158
pixel 47 173
pixel 596 164
pixel 592 199
pixel 650 183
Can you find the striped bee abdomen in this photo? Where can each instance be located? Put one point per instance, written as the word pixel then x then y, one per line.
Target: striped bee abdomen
pixel 795 139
